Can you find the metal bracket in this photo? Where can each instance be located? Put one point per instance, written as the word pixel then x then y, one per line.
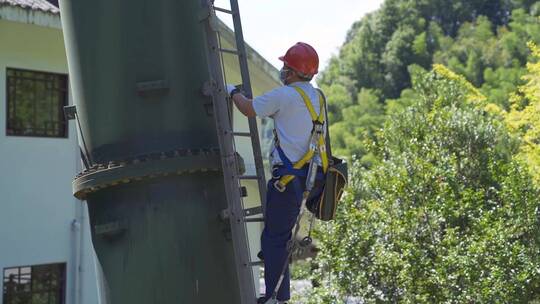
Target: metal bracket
pixel 70 112
pixel 209 87
pixel 243 191
pixel 225 214
pixel 110 230
pixel 253 211
pixel 213 22
pixel 156 86
pixel 207 14
pixel 204 13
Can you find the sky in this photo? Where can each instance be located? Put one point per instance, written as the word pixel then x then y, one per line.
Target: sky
pixel 272 26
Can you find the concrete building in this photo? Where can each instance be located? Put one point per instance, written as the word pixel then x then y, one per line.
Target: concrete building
pixel 46 254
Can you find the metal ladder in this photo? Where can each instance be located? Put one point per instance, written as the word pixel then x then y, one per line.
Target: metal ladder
pixel 236 213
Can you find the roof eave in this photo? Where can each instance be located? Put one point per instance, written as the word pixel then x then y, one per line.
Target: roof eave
pixel 30 16
pixel 252 55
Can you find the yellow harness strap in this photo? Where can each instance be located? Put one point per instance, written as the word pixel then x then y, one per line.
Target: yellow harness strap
pixel 321 143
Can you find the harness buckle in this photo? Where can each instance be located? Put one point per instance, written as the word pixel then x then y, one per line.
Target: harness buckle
pixel 279 186
pixel 274 174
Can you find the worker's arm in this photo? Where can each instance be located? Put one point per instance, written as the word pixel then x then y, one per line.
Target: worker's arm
pixel 244 104
pixel 265 105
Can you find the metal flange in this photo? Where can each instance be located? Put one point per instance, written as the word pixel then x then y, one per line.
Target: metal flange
pixel 145 167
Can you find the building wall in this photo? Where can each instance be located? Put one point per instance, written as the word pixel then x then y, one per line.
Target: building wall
pixel 37 208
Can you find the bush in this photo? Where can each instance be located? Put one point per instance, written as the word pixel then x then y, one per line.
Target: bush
pixel 446 213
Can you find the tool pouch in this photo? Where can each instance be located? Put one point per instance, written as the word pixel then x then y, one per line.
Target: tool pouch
pixel 324 206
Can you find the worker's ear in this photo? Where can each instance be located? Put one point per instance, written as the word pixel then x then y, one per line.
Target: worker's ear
pixel 293 73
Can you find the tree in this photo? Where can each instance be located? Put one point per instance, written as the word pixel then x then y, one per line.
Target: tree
pixel 446 214
pixel 358 127
pixel 524 117
pixel 481 39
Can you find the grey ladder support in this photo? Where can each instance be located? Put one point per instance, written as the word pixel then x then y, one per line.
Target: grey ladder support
pixel 236 213
pixel 246 84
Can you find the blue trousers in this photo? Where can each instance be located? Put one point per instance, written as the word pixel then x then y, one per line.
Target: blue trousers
pixel 282 209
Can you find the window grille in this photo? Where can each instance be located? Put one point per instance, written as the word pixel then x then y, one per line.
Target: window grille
pixel 39 284
pixel 35 103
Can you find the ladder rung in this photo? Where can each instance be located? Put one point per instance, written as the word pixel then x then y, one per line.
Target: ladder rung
pixel 248 177
pixel 253 211
pixel 256 263
pixel 230 51
pixel 254 220
pixel 246 134
pixel 223 10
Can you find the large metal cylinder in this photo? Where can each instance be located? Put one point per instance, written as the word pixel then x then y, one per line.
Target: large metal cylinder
pixel 154 185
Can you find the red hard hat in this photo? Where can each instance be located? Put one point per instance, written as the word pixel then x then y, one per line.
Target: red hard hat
pixel 302 58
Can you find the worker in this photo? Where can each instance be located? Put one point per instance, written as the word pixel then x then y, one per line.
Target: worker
pixel 292 129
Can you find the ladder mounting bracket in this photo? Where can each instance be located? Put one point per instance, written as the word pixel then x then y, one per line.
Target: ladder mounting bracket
pixel 70 112
pixel 209 87
pixel 225 214
pixel 207 14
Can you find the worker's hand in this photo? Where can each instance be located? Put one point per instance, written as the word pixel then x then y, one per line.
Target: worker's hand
pixel 233 89
pixel 230 89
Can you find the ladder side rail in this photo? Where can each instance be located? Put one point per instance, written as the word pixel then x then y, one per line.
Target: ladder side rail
pixel 246 83
pixel 229 164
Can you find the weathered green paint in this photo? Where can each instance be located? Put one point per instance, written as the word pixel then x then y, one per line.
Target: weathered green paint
pixel 172 247
pixel 112 46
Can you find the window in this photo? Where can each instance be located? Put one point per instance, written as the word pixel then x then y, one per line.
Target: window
pixel 35 103
pixel 41 284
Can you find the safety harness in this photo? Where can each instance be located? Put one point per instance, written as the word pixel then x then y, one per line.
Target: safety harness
pixel 317 146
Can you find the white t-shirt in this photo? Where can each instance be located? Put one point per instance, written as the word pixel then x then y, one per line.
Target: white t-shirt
pixel 291 117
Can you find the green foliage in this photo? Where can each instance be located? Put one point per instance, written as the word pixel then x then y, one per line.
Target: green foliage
pixel 442 207
pixel 501 83
pixel 446 215
pixel 300 269
pixel 484 40
pixel 493 61
pixel 524 117
pixel 360 123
